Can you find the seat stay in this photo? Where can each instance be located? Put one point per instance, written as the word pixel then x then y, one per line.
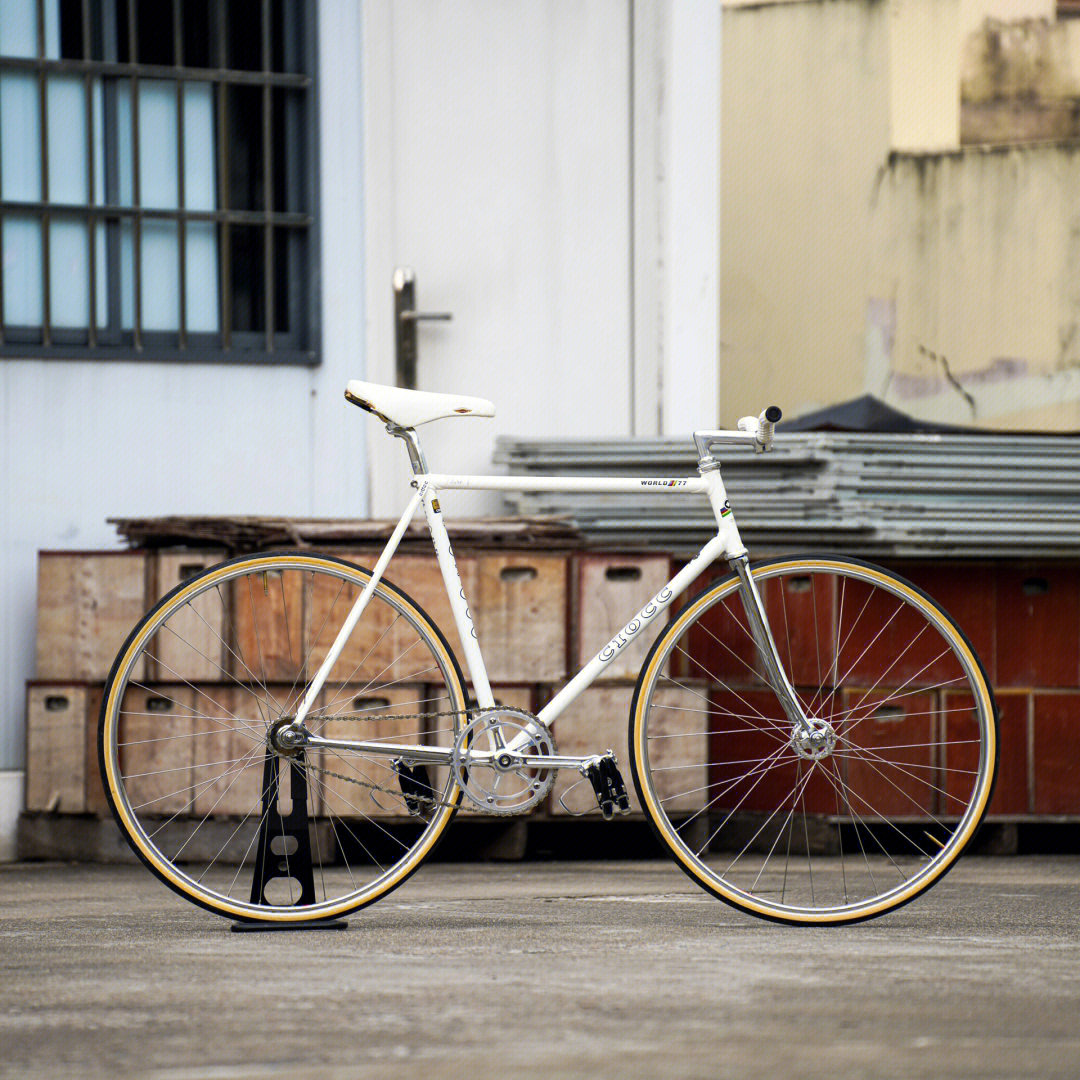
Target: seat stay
pixel 353 617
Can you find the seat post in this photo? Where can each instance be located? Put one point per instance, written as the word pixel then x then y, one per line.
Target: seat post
pixel 412 444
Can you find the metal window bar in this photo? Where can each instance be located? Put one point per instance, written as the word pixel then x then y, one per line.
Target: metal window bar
pixel 109 69
pixel 91 194
pixel 181 195
pixel 268 183
pixel 225 235
pixel 111 194
pixel 231 217
pixel 117 69
pixel 1 253
pixel 43 136
pixel 136 182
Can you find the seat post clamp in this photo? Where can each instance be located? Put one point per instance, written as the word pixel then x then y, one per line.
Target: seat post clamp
pixel 412 444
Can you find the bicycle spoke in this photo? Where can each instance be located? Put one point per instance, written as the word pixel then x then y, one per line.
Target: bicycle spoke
pixel 253 664
pixel 781 810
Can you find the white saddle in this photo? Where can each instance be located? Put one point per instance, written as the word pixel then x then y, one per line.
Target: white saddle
pixel 411 408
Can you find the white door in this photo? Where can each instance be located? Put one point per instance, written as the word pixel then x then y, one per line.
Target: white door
pixel 498 167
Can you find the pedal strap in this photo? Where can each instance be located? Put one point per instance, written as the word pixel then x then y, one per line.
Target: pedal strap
pixel 608 786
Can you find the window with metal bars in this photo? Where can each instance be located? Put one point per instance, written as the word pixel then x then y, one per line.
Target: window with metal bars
pixel 157 179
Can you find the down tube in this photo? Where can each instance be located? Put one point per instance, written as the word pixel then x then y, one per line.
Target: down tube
pixel 658 604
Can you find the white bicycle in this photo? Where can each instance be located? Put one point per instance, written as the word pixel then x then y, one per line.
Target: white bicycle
pixel 812 738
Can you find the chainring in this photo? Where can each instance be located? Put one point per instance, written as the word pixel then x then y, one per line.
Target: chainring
pixel 502 791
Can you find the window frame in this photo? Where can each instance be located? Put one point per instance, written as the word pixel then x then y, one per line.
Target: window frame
pixel 302 343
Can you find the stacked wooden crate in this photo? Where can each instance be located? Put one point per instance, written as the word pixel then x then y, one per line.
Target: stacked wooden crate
pixel 607 591
pixel 540 616
pixel 1023 622
pixel 88 602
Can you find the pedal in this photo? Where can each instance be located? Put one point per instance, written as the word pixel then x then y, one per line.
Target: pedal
pixel 608 786
pixel 415 786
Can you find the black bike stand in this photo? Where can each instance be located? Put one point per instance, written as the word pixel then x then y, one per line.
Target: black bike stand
pixel 295 864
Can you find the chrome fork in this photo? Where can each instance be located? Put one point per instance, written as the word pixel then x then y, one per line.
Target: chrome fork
pixel 766 647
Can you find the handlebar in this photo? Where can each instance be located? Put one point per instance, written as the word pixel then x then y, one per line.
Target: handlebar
pixel 757 429
pixel 761 427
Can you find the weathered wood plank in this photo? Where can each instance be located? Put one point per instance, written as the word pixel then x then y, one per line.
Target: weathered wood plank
pixel 521 616
pixel 56 748
pixel 88 603
pixel 599 721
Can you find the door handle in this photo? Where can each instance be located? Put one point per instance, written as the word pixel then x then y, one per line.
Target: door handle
pixel 405 319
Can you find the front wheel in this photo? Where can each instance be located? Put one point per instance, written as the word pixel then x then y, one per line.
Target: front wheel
pixel 853 817
pixel 222 813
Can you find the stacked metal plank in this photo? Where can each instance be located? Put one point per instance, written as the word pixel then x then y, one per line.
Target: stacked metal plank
pixel 905 496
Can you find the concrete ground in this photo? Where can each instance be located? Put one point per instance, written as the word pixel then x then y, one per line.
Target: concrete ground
pixel 542 970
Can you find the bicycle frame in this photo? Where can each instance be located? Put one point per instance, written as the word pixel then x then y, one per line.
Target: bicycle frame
pixel 726 543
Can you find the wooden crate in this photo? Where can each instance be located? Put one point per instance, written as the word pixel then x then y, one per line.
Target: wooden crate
pixel 384 646
pixel 56 740
pixel 598 721
pixel 87 604
pixel 265 642
pixel 156 748
pixel 96 803
pixel 521 616
pixel 961 753
pixel 193 647
pixel 340 796
pixel 227 759
pixel 420 577
pixel 746 725
pixel 1055 748
pixel 1038 626
pixel 718 647
pixel 180 727
pixel 903 787
pixel 802 610
pixel 609 591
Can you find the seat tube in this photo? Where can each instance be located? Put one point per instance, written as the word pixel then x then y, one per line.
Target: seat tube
pixel 444 553
pixel 455 591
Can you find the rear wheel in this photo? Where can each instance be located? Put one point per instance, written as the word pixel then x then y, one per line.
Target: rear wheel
pixel 208 798
pixel 858 815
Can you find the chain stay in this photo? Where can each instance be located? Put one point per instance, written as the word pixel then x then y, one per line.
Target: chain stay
pixel 433 802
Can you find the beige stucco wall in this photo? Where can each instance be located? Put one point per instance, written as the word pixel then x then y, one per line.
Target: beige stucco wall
pixel 804 128
pixel 862 250
pixel 975 263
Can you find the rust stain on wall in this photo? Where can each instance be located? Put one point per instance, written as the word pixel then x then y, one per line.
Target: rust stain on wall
pixel 1020 82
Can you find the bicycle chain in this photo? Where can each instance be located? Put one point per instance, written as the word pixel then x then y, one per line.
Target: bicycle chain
pixel 433 803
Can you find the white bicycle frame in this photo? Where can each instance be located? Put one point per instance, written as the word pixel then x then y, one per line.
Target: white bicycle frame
pixel 726 543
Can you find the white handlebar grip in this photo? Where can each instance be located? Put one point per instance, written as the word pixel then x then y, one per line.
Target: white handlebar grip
pixel 766 421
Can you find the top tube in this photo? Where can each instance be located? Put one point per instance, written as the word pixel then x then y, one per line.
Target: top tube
pixel 686 485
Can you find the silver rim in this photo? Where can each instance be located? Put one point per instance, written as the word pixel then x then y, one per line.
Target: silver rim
pixel 867 813
pixel 189 709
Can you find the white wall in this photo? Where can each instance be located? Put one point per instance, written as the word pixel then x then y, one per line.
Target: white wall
pixel 83 441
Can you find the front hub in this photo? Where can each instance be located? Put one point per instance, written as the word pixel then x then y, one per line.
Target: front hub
pixel 815 743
